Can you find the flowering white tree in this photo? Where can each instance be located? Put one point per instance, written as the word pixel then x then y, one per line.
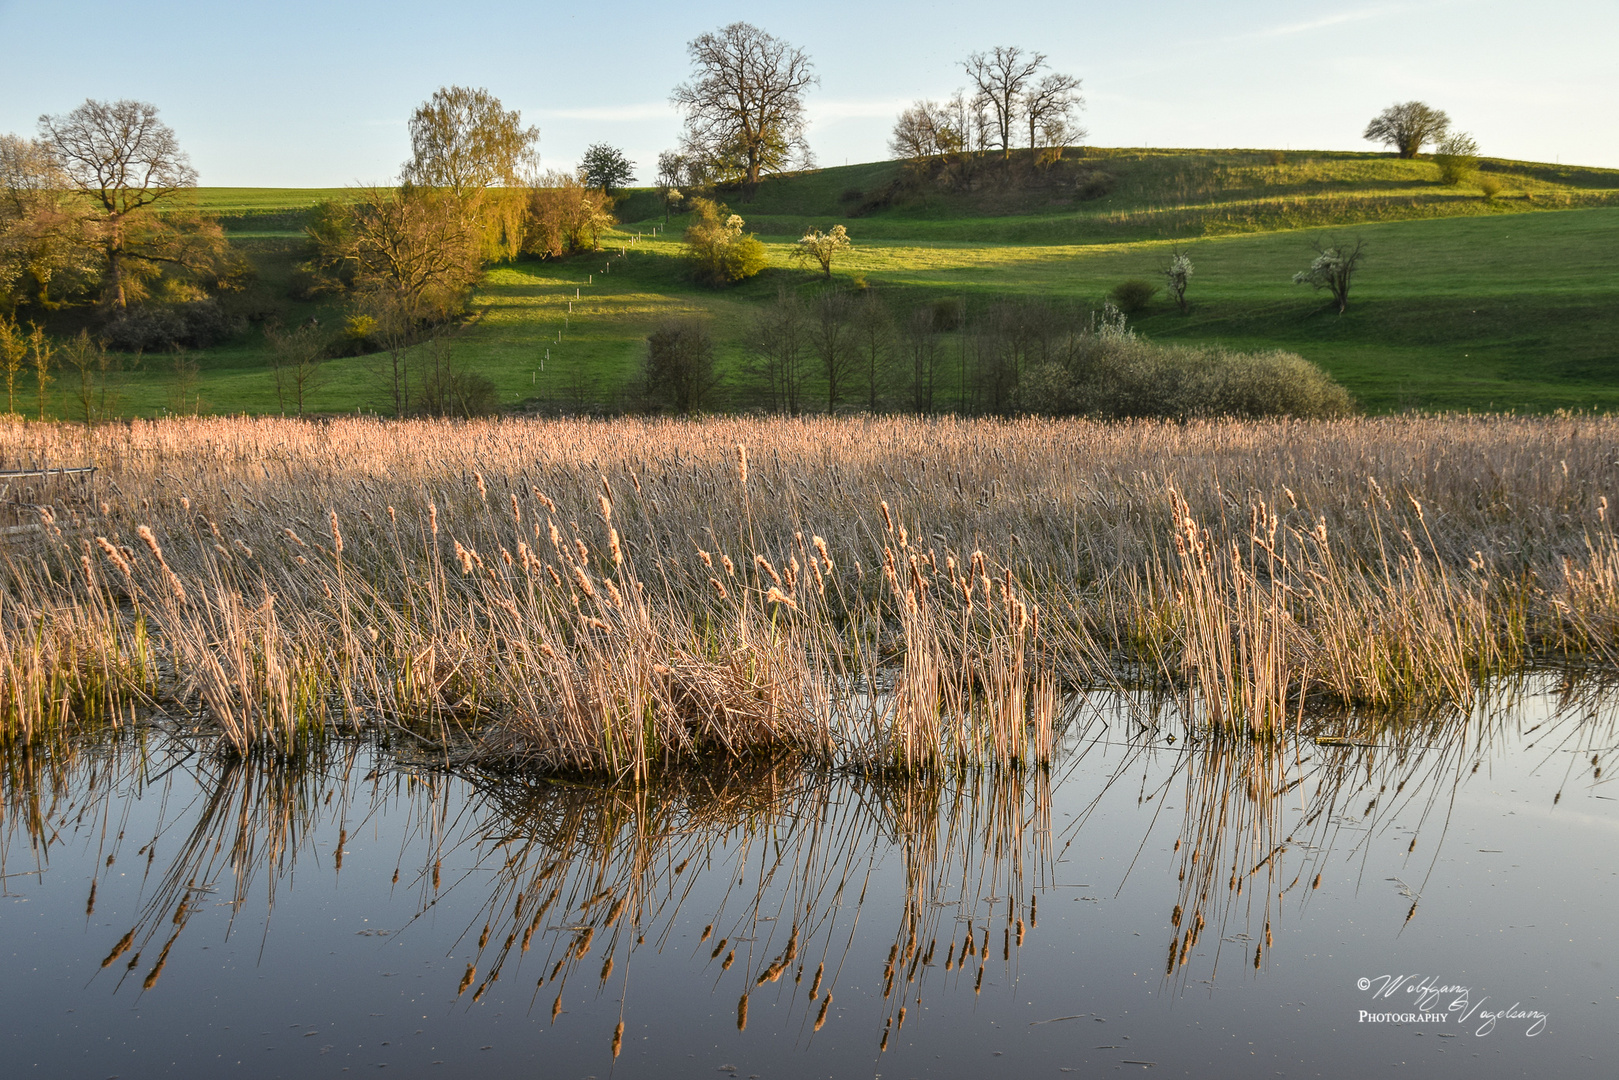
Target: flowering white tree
pixel 822 247
pixel 1333 269
pixel 1176 275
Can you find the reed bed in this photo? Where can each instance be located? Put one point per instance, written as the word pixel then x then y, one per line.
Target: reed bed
pixel 898 594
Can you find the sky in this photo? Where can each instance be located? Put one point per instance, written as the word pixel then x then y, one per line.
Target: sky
pixel 303 94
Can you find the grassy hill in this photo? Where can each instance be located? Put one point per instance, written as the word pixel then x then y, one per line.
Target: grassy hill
pixel 1464 301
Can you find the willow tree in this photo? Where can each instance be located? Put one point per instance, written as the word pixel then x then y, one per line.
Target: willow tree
pixel 744 105
pixel 463 141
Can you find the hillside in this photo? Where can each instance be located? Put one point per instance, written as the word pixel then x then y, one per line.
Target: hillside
pixel 1464 301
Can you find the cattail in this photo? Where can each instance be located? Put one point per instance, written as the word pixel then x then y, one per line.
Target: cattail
pixel 584 943
pixel 815 984
pixel 466 980
pixel 708 560
pixel 337 534
pixel 730 567
pixel 612 545
pixel 707 930
pixel 116 557
pixel 719 587
pixel 243 548
pixel 584 582
pixel 607 969
pixel 742 464
pixel 715 955
pixel 145 533
pixel 776 596
pixel 556 1007
pixel 820 1017
pixel 888 519
pixel 764 564
pixel 290 536
pixel 742 1014
pixel 616 910
pixel 730 958
pixel 618 1038
pixel 483 492
pixel 432 518
pixel 826 557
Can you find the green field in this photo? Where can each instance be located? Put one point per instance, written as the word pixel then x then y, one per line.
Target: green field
pixel 1463 302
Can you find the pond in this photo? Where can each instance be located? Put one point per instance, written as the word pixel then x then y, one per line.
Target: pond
pixel 1436 896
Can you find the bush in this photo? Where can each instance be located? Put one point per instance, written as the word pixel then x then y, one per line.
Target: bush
pixel 1488 186
pixel 1114 377
pixel 1276 157
pixel 196 324
pixel 1133 296
pixel 1092 185
pixel 720 252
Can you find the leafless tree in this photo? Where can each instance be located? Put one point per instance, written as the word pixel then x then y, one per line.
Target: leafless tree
pixel 923 357
pixel 1049 107
pixel 776 344
pixel 832 341
pixel 744 106
pixel 874 342
pixel 1001 78
pixel 123 160
pixel 296 358
pixel 1408 126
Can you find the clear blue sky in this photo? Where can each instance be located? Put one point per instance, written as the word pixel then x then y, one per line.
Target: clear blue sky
pixel 296 93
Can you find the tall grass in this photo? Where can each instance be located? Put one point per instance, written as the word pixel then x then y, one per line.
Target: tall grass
pixel 896 593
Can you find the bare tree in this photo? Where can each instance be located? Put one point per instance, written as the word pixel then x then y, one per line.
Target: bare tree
pixel 679 364
pixel 1408 126
pixel 922 131
pixel 123 160
pixel 296 357
pixel 833 344
pixel 874 341
pixel 1001 77
pixel 776 344
pixel 923 357
pixel 1049 108
pixel 745 103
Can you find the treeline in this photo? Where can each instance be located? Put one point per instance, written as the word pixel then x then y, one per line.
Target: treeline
pixel 836 351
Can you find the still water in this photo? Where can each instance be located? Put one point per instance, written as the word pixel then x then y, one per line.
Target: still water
pixel 1433 897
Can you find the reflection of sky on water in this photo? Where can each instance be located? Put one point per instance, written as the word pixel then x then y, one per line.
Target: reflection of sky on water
pixel 257 949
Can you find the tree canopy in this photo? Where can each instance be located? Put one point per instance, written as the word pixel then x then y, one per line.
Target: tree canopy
pixel 605 167
pixel 1408 126
pixel 744 105
pixel 463 140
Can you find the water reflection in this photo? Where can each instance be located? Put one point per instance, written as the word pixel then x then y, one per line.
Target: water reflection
pixel 770 884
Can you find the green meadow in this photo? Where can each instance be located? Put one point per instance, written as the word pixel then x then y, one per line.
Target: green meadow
pixel 1463 302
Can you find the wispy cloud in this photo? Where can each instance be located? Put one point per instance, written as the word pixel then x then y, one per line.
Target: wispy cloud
pixel 1310 25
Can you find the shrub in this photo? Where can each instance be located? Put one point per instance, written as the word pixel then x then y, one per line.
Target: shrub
pixel 1133 296
pixel 720 252
pixel 1116 377
pixel 196 324
pixel 1092 185
pixel 1457 157
pixel 1276 157
pixel 1488 186
pixel 678 368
